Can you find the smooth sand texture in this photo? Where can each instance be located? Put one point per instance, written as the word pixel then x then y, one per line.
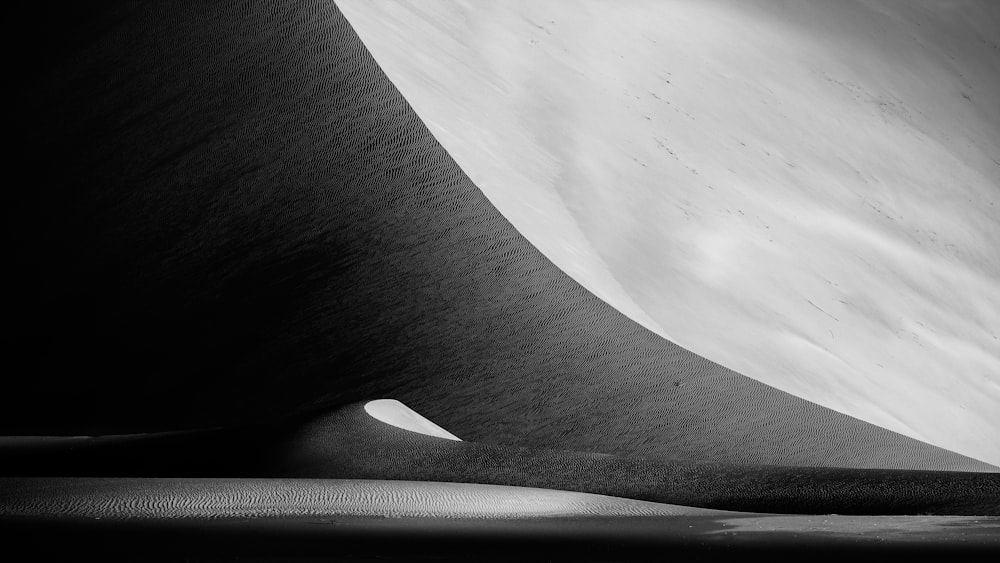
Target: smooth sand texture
pixel 249 221
pixel 804 192
pixel 391 411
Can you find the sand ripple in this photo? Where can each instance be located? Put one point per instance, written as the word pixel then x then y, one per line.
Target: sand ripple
pixel 100 498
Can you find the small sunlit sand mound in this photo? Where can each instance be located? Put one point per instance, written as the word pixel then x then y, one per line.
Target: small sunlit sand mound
pixel 391 411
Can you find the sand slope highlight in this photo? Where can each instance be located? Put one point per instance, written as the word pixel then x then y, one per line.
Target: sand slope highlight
pixel 391 411
pixel 125 498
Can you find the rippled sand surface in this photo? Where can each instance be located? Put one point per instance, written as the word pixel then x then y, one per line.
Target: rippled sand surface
pixel 276 498
pixel 354 520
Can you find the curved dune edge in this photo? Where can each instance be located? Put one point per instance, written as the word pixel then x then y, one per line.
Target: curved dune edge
pixel 391 411
pixel 135 498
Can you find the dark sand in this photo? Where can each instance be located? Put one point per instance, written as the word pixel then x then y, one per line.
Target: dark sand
pixel 447 539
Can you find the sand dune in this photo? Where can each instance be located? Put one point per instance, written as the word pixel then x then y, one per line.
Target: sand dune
pixel 241 233
pixel 272 231
pixel 805 193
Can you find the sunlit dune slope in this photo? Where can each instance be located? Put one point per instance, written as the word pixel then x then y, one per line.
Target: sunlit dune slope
pixel 238 218
pixel 806 192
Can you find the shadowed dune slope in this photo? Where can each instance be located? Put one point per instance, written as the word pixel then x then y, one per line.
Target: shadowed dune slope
pixel 238 218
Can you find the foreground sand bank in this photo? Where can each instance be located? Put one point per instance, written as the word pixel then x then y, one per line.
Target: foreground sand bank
pixel 357 519
pixel 348 443
pixel 151 498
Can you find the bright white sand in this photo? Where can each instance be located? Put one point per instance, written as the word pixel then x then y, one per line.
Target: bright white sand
pixel 805 192
pixel 391 411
